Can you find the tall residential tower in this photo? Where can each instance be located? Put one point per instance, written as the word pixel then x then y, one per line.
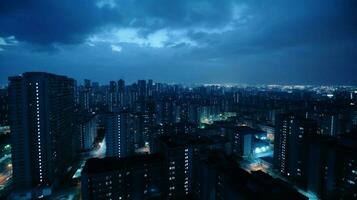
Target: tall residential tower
pixel 41 106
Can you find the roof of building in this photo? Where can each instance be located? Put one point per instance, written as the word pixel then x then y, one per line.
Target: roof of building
pixel 109 164
pixel 232 126
pixel 184 140
pixel 255 185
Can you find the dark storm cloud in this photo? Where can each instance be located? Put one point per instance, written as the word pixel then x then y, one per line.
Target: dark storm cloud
pixel 252 41
pixel 46 22
pixel 307 22
pixel 272 23
pixel 156 14
pixel 282 24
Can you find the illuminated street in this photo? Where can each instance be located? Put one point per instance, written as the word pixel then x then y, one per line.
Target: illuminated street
pixel 178 99
pixel 260 164
pixel 71 191
pixel 5 169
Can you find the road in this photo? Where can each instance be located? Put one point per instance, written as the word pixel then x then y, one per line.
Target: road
pixel 5 169
pixel 71 189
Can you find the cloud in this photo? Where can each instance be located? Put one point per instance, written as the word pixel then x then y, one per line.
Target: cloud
pixel 237 39
pixel 267 27
pixel 116 48
pixel 106 3
pixel 161 22
pixel 8 41
pixel 46 23
pixel 158 39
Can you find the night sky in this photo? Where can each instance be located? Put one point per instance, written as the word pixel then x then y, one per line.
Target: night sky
pixel 183 41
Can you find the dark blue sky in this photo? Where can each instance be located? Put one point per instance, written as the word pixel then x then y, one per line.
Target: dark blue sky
pixel 184 41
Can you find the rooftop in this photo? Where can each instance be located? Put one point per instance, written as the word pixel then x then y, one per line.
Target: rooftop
pixel 185 140
pixel 108 164
pixel 255 185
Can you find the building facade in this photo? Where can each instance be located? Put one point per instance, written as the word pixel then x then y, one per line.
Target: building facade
pixel 41 121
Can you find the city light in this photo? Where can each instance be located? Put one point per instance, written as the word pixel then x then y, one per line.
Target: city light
pixel 263 149
pixel 175 100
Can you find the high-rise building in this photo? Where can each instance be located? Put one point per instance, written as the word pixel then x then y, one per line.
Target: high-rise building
pixel 242 140
pixel 332 167
pixel 167 110
pixel 329 124
pixel 180 152
pixel 87 83
pixel 121 93
pixel 86 127
pixel 4 108
pixel 145 115
pixel 240 137
pixel 291 145
pixel 112 96
pixel 85 98
pixel 124 132
pixel 221 177
pixel 142 89
pixel 130 178
pixel 132 93
pixel 150 88
pixel 41 109
pixel 116 136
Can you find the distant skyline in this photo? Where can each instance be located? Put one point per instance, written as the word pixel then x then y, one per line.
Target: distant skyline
pixel 185 41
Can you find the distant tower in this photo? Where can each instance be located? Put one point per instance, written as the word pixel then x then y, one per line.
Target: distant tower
pixel 142 88
pixel 116 134
pixel 4 108
pixel 112 98
pixel 121 93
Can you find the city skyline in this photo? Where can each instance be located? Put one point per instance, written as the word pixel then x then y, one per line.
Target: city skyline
pixel 178 99
pixel 251 42
pixel 197 84
pixel 147 140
